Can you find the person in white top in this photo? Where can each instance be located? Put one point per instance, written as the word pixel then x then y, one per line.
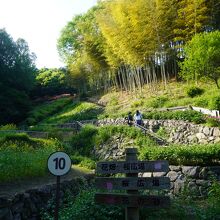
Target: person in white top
pixel 138 118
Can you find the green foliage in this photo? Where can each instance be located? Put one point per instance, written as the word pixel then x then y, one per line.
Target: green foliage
pixel 212 122
pixel 83 161
pixel 84 207
pixel 17 70
pixel 24 157
pixel 22 141
pixel 183 155
pixel 158 102
pixel 76 111
pixel 89 137
pixel 188 115
pixel 14 105
pixel 194 91
pixel 41 112
pixel 185 206
pixel 215 103
pixel 8 127
pixel 162 132
pixel 214 200
pixel 83 142
pixel 51 82
pixel 202 57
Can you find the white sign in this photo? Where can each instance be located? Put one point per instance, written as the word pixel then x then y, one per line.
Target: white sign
pixel 59 163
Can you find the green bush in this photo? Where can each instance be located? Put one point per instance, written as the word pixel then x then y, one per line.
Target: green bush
pixel 83 142
pixel 8 127
pixel 215 103
pixel 83 161
pixel 184 155
pixel 194 91
pixel 212 122
pixel 158 102
pixel 23 157
pixel 189 115
pixel 84 207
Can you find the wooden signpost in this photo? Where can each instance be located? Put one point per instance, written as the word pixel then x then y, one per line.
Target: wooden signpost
pixel 59 164
pixel 132 200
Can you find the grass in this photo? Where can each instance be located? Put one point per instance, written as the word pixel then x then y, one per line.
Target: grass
pixel 204 155
pixel 175 94
pixel 24 157
pixel 185 206
pixel 42 111
pixel 75 111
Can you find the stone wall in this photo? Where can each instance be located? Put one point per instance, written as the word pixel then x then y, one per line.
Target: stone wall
pixel 195 179
pixel 28 205
pixel 181 132
pixel 184 132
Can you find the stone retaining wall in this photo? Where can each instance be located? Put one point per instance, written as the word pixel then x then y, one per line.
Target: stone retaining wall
pixel 184 132
pixel 195 179
pixel 181 132
pixel 28 205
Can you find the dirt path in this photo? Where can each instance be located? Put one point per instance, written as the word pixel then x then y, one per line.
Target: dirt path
pixel 10 189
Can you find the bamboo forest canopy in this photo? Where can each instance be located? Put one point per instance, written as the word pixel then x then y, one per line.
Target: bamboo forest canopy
pixel 129 43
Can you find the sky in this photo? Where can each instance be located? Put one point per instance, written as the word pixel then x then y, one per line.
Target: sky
pixel 39 23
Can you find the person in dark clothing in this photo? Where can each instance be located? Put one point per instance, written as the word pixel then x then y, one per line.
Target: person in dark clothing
pixel 129 119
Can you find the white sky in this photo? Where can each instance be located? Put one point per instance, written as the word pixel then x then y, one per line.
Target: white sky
pixel 39 22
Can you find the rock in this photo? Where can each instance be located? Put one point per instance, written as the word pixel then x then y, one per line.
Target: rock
pixel 203 141
pixel 200 136
pixel 175 168
pixel 216 132
pixel 206 131
pixel 190 171
pixel 147 175
pixel 203 173
pixel 172 175
pixel 216 140
pixel 192 139
pixel 159 174
pixel 178 186
pixel 204 183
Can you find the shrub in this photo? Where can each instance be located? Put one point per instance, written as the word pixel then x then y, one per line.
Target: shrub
pixel 212 122
pixel 83 161
pixel 184 155
pixel 158 102
pixel 215 103
pixel 194 91
pixel 8 127
pixel 189 115
pixel 83 142
pixel 84 207
pixel 23 157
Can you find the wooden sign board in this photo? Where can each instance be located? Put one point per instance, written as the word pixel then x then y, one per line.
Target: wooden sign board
pixel 132 167
pixel 131 183
pixel 130 200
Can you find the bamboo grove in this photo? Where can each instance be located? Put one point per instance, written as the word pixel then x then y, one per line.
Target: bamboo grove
pixel 127 44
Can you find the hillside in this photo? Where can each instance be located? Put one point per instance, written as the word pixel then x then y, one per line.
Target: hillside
pixel 89 143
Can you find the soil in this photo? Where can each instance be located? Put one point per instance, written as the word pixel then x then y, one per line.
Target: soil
pixel 12 188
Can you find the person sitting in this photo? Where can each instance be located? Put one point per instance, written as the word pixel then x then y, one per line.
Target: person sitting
pixel 138 118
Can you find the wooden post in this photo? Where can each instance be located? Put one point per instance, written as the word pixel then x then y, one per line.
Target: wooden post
pixel 56 213
pixel 131 213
